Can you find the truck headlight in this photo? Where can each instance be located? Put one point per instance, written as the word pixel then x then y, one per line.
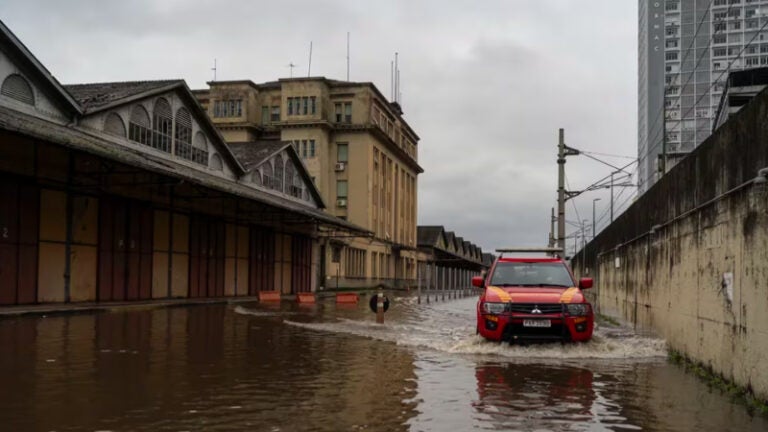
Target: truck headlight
pixel 494 308
pixel 578 309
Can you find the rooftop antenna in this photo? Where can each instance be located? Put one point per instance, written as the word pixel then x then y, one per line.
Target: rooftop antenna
pixel 309 68
pixel 399 93
pixel 214 69
pixel 391 80
pixel 397 78
pixel 291 65
pixel 347 56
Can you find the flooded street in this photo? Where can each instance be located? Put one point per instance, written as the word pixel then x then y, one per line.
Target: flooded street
pixel 331 368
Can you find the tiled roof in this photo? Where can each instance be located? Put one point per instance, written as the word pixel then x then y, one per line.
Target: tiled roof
pixel 71 137
pixel 252 154
pixel 95 95
pixel 428 235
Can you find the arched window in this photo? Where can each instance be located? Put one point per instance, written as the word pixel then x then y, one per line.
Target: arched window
pixel 114 125
pixel 200 148
pixel 293 184
pixel 182 136
pixel 256 177
pixel 216 163
pixel 267 176
pixel 278 184
pixel 289 171
pixel 162 121
pixel 139 128
pixel 16 87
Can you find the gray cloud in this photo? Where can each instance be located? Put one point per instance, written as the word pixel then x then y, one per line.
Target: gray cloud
pixel 486 84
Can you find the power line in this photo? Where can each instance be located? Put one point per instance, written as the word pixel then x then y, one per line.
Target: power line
pixel 608 155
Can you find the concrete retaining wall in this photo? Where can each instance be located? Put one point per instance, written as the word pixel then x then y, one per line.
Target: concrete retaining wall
pixel 689 259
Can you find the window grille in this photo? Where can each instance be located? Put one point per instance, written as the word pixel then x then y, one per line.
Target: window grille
pixel 266 175
pixel 162 125
pixel 200 149
pixel 16 87
pixel 183 135
pixel 139 128
pixel 278 176
pixel 114 125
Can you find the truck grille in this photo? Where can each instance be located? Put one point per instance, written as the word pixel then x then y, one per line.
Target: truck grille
pixel 526 308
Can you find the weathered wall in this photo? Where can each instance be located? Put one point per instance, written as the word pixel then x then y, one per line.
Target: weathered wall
pixel 689 259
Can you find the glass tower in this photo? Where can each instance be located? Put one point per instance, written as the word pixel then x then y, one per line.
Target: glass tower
pixel 686 49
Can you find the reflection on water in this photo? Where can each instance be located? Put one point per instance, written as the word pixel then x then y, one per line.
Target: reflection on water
pixel 327 368
pixel 196 368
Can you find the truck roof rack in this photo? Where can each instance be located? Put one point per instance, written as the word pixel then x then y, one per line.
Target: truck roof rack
pixel 547 250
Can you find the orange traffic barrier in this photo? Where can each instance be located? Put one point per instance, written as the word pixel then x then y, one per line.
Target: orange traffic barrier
pixel 269 296
pixel 305 298
pixel 347 298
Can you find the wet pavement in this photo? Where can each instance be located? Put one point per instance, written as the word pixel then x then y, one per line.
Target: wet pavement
pixel 331 368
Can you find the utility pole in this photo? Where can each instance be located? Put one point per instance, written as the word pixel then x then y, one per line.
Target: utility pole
pixel 612 173
pixel 663 165
pixel 562 152
pixel 552 229
pixel 561 191
pixel 593 216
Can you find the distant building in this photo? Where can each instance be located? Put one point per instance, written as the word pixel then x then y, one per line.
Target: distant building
pixel 740 88
pixel 686 50
pixel 448 260
pixel 358 149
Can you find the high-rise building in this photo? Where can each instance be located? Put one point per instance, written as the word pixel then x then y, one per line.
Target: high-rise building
pixel 686 49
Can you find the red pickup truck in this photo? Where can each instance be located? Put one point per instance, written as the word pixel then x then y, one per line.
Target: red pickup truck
pixel 533 299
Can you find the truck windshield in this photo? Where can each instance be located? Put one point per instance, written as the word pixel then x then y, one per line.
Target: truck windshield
pixel 531 274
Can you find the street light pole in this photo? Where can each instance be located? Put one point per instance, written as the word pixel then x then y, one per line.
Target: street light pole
pixel 561 191
pixel 593 216
pixel 612 174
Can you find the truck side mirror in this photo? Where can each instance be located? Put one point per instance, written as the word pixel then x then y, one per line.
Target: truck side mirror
pixel 478 281
pixel 586 283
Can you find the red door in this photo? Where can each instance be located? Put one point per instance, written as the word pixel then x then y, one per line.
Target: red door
pixel 125 250
pixel 262 260
pixel 19 228
pixel 206 266
pixel 301 264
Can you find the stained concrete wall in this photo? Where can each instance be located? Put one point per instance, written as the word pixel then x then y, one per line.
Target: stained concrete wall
pixel 689 259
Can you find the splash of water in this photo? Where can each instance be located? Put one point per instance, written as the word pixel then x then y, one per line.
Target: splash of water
pixel 461 340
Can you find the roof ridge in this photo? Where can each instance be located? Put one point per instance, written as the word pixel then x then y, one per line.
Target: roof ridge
pixel 125 82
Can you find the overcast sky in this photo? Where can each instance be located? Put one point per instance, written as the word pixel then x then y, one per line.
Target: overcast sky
pixel 486 84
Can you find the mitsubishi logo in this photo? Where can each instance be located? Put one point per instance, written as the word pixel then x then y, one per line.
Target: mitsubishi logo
pixel 536 310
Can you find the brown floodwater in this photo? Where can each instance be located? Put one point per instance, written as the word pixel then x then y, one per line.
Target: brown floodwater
pixel 331 368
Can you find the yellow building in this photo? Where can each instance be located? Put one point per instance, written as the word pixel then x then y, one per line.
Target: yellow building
pixel 361 154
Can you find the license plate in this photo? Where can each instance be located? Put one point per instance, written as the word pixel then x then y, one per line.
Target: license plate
pixel 537 323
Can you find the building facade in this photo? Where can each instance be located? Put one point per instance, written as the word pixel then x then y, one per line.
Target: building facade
pixel 449 261
pixel 126 191
pixel 686 49
pixel 361 154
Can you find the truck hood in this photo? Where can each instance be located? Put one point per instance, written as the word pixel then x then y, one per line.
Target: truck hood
pixel 534 294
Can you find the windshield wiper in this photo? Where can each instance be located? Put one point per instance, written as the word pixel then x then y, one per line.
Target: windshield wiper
pixel 544 285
